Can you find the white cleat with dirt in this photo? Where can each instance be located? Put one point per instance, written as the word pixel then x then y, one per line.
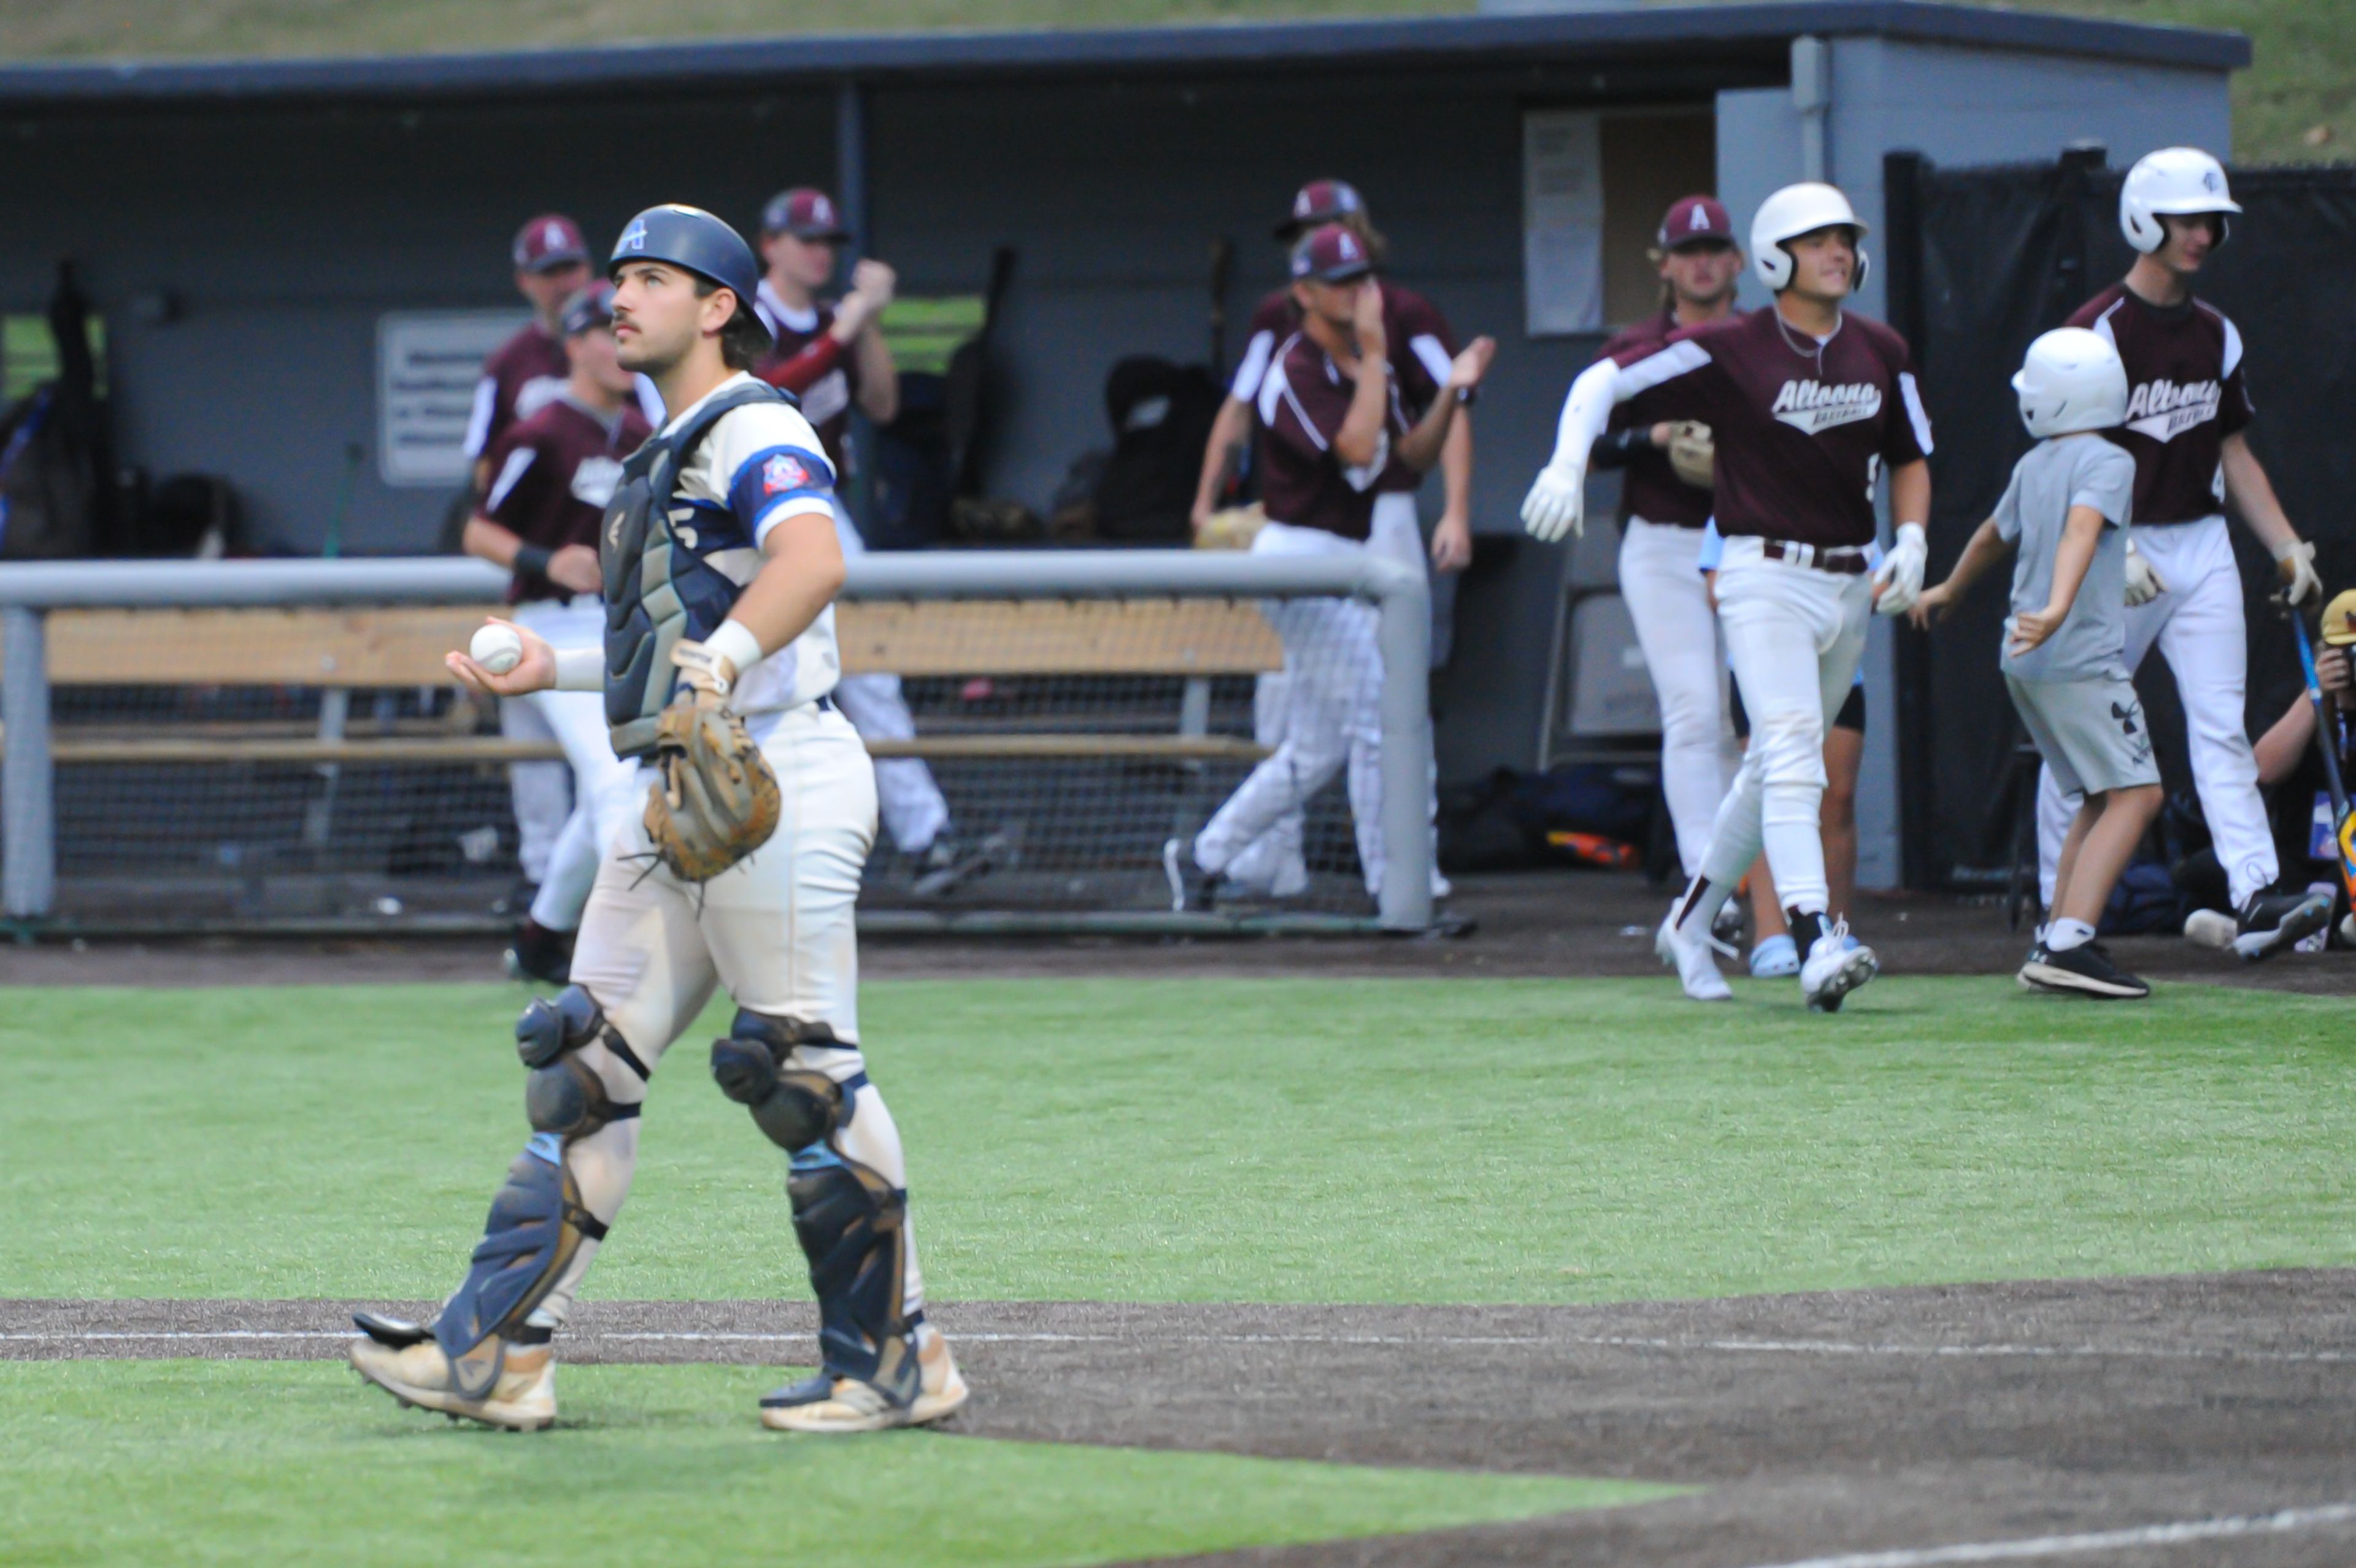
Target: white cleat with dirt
pixel 819 1404
pixel 521 1396
pixel 1690 956
pixel 1836 965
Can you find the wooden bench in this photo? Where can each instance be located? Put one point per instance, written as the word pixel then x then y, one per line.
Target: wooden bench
pixel 1190 639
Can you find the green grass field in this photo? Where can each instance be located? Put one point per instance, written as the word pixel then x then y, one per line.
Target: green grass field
pixel 1245 1140
pixel 2304 76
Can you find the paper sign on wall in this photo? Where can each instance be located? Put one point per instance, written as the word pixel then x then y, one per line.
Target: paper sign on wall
pixel 427 363
pixel 1562 221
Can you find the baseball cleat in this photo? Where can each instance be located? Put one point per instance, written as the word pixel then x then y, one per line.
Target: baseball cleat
pixel 2271 922
pixel 1836 965
pixel 2085 970
pixel 1775 958
pixel 950 865
pixel 1191 891
pixel 521 1396
pixel 540 953
pixel 1726 925
pixel 823 1404
pixel 1690 956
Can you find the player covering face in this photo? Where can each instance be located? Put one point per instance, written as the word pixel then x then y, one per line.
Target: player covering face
pixel 1809 404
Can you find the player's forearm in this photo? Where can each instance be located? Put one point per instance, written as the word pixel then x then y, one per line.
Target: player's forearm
pixel 2080 534
pixel 801 371
pixel 803 573
pixel 2252 495
pixel 490 542
pixel 1359 442
pixel 1982 550
pixel 1230 428
pixel 1910 493
pixel 1456 465
pixel 1421 447
pixel 879 378
pixel 1586 412
pixel 2278 751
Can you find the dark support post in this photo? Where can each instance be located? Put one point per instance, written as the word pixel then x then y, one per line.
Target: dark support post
pixel 1903 175
pixel 851 195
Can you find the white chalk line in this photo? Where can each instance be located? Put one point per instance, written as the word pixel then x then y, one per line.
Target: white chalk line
pixel 2277 1523
pixel 1149 1337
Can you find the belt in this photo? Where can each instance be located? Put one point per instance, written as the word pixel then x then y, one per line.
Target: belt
pixel 1841 560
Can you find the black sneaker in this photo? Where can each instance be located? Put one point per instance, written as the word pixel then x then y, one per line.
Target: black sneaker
pixel 950 864
pixel 2271 922
pixel 2085 970
pixel 540 953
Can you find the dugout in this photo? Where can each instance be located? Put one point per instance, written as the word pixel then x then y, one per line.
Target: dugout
pixel 259 236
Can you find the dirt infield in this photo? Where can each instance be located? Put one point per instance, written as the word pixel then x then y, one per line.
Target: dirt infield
pixel 1917 1424
pixel 1537 925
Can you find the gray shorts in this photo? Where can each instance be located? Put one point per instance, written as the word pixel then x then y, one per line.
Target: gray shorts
pixel 2091 732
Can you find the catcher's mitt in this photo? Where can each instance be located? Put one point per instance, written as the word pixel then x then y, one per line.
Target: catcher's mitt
pixel 1693 455
pixel 714 799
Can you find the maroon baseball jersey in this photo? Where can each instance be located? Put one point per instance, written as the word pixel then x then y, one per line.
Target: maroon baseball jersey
pixel 1801 428
pixel 1423 350
pixel 552 475
pixel 1649 486
pixel 518 380
pixel 800 361
pixel 1303 399
pixel 2185 395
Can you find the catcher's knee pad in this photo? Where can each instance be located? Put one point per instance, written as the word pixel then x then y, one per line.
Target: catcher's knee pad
pixel 795 1108
pixel 852 1226
pixel 564 1094
pixel 537 1223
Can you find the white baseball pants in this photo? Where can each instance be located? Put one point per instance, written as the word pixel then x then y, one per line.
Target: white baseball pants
pixel 2200 630
pixel 1795 636
pixel 776 930
pixel 1331 715
pixel 602 786
pixel 1660 579
pixel 915 811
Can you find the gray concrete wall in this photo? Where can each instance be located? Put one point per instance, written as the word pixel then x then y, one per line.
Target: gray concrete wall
pixel 1960 107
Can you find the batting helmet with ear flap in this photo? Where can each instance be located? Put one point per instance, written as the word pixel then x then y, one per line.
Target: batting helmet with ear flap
pixel 1794 211
pixel 2181 180
pixel 2071 380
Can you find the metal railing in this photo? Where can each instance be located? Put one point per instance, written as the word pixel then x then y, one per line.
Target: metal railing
pixel 29 591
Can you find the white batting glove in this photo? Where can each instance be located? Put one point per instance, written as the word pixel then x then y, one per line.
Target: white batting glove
pixel 2296 562
pixel 1900 582
pixel 2143 583
pixel 1556 503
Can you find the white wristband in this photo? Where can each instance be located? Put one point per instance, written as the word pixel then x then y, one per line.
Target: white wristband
pixel 581 668
pixel 736 642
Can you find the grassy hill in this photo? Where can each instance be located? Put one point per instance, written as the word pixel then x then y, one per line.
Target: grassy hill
pixel 2296 104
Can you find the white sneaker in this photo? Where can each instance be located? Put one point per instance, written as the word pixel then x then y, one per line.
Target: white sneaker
pixel 1836 965
pixel 1690 956
pixel 1774 958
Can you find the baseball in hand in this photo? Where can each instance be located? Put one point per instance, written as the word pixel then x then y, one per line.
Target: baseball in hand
pixel 496 648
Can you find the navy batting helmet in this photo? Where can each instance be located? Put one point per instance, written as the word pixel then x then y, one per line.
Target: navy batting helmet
pixel 691 237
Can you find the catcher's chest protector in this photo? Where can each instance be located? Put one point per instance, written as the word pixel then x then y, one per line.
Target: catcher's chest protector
pixel 657 592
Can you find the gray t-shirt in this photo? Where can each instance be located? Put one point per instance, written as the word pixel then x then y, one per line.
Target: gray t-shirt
pixel 2070 471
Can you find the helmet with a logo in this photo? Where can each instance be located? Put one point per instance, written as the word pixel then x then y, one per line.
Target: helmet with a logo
pixel 2181 180
pixel 1794 211
pixel 693 238
pixel 2071 380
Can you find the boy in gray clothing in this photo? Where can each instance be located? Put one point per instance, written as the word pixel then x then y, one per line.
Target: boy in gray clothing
pixel 2065 644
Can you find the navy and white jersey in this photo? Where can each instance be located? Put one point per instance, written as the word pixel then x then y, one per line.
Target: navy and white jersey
pixel 760 464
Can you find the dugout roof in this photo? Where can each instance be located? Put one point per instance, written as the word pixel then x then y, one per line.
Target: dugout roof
pixel 1744 33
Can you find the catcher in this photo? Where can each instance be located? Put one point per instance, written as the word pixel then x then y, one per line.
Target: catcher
pixel 720 567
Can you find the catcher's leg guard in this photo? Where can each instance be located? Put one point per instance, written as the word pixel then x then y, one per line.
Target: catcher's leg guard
pixel 850 1222
pixel 537 1226
pixel 793 1106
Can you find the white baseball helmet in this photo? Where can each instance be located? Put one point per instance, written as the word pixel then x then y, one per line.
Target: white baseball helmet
pixel 1794 211
pixel 2174 179
pixel 2073 380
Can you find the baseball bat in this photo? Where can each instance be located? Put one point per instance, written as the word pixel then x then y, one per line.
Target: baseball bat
pixel 2327 740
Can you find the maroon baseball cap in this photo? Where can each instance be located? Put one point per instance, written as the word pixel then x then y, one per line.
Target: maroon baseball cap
pixel 592 306
pixel 549 242
pixel 1320 201
pixel 1332 254
pixel 1694 220
pixel 805 213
